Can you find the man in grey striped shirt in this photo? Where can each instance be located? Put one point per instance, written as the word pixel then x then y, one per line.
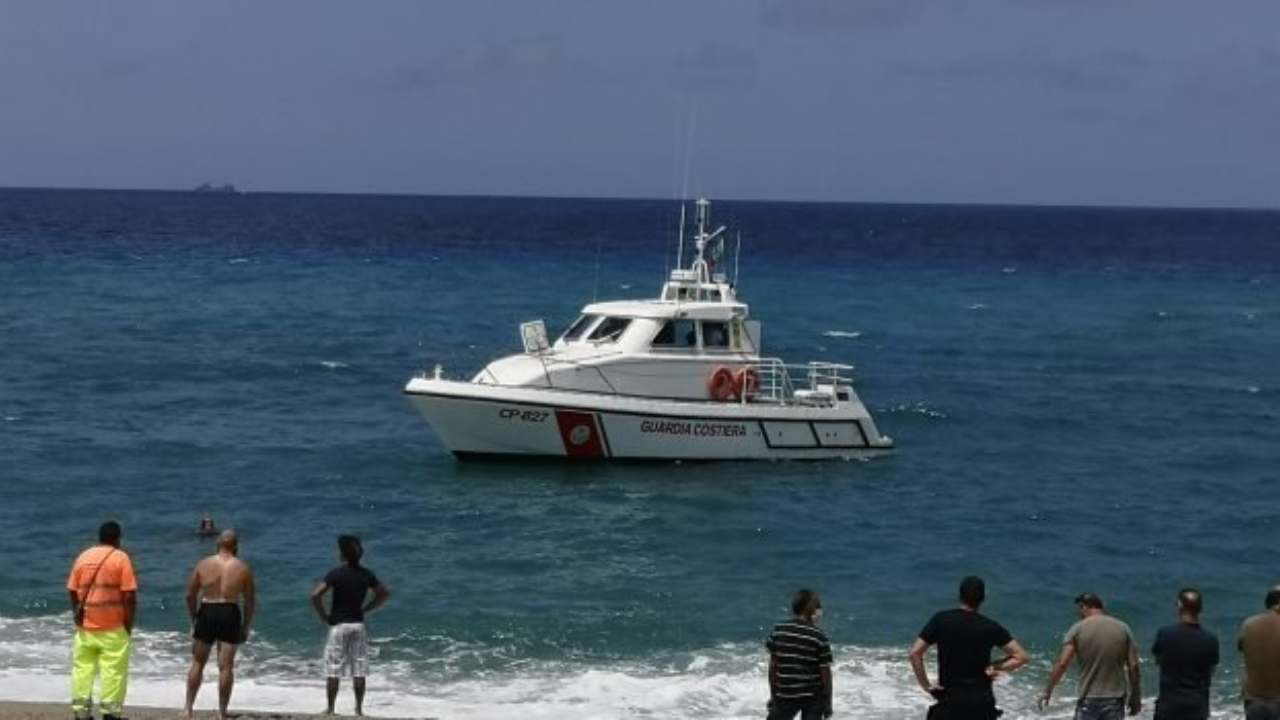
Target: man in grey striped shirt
pixel 800 663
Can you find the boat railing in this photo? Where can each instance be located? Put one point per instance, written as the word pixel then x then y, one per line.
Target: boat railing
pixel 825 374
pixel 779 382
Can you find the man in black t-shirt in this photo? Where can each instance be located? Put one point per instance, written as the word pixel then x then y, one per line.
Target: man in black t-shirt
pixel 965 639
pixel 1187 655
pixel 347 650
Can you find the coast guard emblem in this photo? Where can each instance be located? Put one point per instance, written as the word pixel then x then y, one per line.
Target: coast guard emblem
pixel 580 434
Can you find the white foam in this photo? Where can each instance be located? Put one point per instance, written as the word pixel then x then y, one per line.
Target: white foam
pixel 977 306
pixel 238 261
pixel 843 334
pixel 333 364
pixel 919 407
pixel 727 681
pixel 1008 270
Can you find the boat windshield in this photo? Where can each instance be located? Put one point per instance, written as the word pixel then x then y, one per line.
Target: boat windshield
pixel 610 329
pixel 579 327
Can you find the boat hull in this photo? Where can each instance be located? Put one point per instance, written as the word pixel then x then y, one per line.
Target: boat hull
pixel 477 420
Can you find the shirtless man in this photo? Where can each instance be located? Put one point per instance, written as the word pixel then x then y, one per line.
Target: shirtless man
pixel 214 591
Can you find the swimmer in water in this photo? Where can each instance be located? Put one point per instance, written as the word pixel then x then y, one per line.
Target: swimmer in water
pixel 207 528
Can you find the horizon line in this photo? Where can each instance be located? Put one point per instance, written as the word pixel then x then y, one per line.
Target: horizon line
pixel 595 198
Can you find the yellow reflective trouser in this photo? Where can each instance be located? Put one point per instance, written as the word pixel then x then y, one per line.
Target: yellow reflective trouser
pixel 105 652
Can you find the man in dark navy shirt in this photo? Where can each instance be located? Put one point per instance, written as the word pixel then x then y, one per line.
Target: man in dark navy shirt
pixel 800 663
pixel 965 639
pixel 1187 655
pixel 347 651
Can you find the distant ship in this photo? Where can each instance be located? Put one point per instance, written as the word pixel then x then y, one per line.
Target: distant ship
pixel 223 188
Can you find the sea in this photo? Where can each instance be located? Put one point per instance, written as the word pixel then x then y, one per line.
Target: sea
pixel 1083 399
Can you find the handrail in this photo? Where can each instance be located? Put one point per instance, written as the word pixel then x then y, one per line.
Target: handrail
pixel 580 364
pixel 778 380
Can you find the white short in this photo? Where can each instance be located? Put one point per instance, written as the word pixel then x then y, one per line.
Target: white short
pixel 347 651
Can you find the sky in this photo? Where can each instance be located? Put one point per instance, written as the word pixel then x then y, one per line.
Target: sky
pixel 1077 102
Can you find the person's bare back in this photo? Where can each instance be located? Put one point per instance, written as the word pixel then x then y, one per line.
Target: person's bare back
pixel 222 577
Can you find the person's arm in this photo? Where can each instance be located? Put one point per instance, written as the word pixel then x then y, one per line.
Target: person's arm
pixel 380 594
pixel 193 593
pixel 73 592
pixel 250 603
pixel 825 661
pixel 128 592
pixel 1135 679
pixel 1015 657
pixel 773 676
pixel 825 673
pixel 130 600
pixel 1059 669
pixel 917 654
pixel 317 601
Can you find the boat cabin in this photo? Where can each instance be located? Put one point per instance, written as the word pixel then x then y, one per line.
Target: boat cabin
pixel 689 317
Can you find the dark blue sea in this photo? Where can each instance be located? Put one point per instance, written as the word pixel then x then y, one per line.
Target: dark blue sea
pixel 1082 399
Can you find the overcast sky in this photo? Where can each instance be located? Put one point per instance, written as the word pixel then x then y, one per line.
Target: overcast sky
pixel 1163 102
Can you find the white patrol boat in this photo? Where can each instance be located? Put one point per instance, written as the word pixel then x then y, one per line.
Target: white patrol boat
pixel 679 377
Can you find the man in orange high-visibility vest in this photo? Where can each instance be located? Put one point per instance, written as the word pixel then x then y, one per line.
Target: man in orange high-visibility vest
pixel 104 597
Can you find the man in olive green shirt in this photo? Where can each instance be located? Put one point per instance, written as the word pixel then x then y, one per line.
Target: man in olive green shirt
pixel 1260 646
pixel 1108 664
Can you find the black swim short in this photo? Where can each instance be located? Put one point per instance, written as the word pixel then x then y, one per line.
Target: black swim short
pixel 218 622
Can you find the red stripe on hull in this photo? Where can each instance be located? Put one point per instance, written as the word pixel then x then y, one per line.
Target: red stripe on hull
pixel 580 434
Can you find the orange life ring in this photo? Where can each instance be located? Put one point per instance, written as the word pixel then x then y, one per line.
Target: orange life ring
pixel 746 383
pixel 721 385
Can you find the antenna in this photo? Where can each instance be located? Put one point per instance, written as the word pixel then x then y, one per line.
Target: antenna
pixel 737 257
pixel 690 124
pixel 680 250
pixel 666 251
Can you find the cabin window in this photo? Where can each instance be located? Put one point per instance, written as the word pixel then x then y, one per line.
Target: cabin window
pixel 715 335
pixel 713 295
pixel 578 327
pixel 610 329
pixel 677 334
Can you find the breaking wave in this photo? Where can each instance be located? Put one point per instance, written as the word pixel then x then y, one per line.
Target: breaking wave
pixel 725 681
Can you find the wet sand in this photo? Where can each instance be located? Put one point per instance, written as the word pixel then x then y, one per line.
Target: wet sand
pixel 60 711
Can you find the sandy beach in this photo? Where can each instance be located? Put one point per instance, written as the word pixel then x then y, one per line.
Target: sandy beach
pixel 60 711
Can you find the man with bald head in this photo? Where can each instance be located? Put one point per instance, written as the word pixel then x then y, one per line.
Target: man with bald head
pixel 218 585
